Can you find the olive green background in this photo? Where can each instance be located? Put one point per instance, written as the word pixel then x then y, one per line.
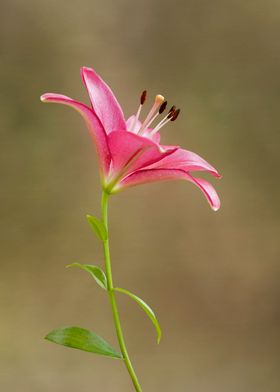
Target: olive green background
pixel 212 278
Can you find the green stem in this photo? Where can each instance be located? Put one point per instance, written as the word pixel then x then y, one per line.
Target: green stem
pixel 112 297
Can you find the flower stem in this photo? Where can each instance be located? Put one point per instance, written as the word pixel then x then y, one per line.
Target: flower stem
pixel 111 293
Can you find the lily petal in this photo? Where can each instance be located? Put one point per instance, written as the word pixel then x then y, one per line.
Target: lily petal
pixel 130 122
pixel 185 160
pixel 156 175
pixel 95 127
pixel 155 137
pixel 130 152
pixel 208 190
pixel 104 103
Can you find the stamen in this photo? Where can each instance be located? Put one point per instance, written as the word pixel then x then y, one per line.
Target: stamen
pixel 158 102
pixel 143 98
pixel 162 122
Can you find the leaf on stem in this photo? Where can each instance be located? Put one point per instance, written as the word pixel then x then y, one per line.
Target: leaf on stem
pixel 82 339
pixel 96 272
pixel 146 308
pixel 98 227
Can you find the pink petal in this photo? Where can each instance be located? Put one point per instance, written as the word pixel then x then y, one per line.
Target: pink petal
pixel 104 103
pixel 155 175
pixel 209 192
pixel 130 122
pixel 93 123
pixel 185 160
pixel 155 137
pixel 131 152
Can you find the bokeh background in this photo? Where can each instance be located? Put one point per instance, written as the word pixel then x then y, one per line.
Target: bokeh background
pixel 212 278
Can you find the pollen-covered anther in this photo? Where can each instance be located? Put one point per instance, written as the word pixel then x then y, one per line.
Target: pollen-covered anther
pixel 171 111
pixel 143 97
pixel 175 115
pixel 162 107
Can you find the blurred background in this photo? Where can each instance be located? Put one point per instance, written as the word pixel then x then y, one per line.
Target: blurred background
pixel 212 278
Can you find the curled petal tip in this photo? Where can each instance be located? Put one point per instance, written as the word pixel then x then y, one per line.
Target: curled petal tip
pixel 48 97
pixel 43 98
pixel 215 203
pixel 218 175
pixel 214 172
pixel 85 69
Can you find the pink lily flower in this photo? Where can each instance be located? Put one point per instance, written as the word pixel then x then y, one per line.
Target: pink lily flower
pixel 129 151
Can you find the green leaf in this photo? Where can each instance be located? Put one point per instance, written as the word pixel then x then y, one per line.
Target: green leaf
pixel 146 308
pixel 98 226
pixel 82 339
pixel 96 272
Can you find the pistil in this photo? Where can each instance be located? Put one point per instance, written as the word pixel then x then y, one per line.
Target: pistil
pixel 151 115
pixel 161 110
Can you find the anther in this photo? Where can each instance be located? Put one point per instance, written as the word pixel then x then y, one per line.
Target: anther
pixel 175 115
pixel 162 107
pixel 143 97
pixel 171 111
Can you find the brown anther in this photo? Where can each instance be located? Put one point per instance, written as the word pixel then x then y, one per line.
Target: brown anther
pixel 143 97
pixel 175 115
pixel 162 107
pixel 171 111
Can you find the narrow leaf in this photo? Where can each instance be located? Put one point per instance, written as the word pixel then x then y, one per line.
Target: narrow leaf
pixel 146 308
pixel 98 226
pixel 82 339
pixel 96 272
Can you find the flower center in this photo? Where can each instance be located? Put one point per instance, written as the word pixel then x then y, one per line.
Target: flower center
pixel 158 108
